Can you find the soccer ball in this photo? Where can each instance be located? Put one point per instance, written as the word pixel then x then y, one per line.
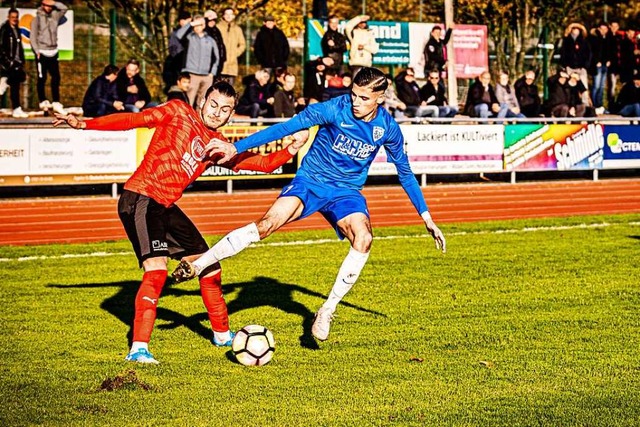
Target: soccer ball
pixel 253 345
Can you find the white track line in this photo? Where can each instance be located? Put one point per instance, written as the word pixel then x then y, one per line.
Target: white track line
pixel 323 241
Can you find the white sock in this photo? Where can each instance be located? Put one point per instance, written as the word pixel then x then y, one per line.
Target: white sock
pixel 222 337
pixel 228 246
pixel 347 276
pixel 138 345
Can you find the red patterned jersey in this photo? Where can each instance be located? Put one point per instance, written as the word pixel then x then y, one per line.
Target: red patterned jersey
pixel 176 154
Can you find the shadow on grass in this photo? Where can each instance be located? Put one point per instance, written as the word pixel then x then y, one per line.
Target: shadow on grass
pixel 260 292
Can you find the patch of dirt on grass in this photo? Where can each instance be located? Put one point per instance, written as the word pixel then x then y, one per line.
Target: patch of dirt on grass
pixel 126 381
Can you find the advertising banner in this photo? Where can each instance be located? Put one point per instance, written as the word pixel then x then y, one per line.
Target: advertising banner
pixel 65 32
pixel 553 147
pixel 402 44
pixel 622 148
pixel 448 149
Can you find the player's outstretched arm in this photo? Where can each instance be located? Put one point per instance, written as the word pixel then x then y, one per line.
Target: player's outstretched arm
pixel 70 120
pixel 432 228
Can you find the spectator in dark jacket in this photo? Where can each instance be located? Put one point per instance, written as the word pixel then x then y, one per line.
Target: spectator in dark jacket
pixel 481 100
pixel 627 56
pixel 575 52
pixel 433 93
pixel 271 46
pixel 12 72
pixel 409 93
pixel 629 98
pixel 315 79
pixel 602 50
pixel 181 88
pixel 256 99
pixel 213 31
pixel 174 62
pixel 557 104
pixel 434 58
pixel 527 94
pixel 132 90
pixel 284 100
pixel 334 43
pixel 101 98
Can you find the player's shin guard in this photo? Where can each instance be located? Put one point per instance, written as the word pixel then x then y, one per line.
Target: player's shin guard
pixel 347 276
pixel 146 304
pixel 228 246
pixel 211 290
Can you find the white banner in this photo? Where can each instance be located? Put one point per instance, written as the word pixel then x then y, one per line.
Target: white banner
pixel 448 149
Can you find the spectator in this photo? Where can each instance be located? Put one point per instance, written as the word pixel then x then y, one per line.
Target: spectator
pixel 234 43
pixel 12 72
pixel 557 104
pixel 601 44
pixel 576 89
pixel 211 17
pixel 337 85
pixel 271 46
pixel 363 43
pixel 613 73
pixel 174 62
pixel 629 98
pixel 527 94
pixel 392 103
pixel 314 79
pixel 506 95
pixel 44 42
pixel 434 58
pixel 284 100
pixel 433 94
pixel 409 93
pixel 201 60
pixel 334 43
pixel 627 57
pixel 181 88
pixel 575 52
pixel 132 90
pixel 101 98
pixel 481 100
pixel 256 100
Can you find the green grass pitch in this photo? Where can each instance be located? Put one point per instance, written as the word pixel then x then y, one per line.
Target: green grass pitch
pixel 521 323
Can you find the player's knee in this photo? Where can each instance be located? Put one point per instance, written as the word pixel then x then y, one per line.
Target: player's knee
pixel 362 242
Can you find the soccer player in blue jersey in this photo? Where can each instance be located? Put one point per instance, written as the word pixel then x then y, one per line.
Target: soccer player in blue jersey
pixel 352 128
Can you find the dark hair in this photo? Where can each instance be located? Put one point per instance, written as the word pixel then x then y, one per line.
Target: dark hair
pixel 184 15
pixel 436 27
pixel 371 77
pixel 333 16
pixel 110 69
pixel 134 61
pixel 184 75
pixel 13 10
pixel 223 87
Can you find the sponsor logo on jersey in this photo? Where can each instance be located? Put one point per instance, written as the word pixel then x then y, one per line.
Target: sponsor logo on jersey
pixel 346 125
pixel 197 148
pixel 378 133
pixel 352 147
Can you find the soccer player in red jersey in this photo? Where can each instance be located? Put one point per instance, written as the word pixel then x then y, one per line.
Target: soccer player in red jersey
pixel 156 227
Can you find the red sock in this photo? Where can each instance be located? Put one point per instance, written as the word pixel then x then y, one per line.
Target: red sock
pixel 211 289
pixel 146 304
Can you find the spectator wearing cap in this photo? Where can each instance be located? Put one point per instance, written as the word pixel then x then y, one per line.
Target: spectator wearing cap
pixel 271 46
pixel 363 43
pixel 234 43
pixel 201 60
pixel 211 18
pixel 434 58
pixel 629 98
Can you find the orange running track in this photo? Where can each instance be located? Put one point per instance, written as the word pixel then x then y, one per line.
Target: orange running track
pixel 94 219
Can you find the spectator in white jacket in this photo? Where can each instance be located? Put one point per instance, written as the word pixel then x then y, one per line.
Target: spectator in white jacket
pixel 363 43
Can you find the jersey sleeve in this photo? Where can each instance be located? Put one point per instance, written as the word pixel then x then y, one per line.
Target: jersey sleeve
pixel 258 162
pixel 315 114
pixel 395 152
pixel 149 118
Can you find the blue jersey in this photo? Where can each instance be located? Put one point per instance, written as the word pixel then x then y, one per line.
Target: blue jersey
pixel 344 146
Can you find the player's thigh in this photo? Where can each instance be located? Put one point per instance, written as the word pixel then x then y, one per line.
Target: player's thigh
pixel 284 210
pixel 356 227
pixel 182 235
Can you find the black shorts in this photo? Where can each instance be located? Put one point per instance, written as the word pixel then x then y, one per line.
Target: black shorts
pixel 157 231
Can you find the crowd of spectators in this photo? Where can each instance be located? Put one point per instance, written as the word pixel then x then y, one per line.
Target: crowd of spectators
pixel 597 73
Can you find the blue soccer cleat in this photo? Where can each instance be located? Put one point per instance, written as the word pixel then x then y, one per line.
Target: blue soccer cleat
pixel 223 344
pixel 141 356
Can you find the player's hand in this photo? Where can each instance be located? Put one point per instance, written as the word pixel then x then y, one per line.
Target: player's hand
pixel 432 228
pixel 222 149
pixel 70 120
pixel 298 140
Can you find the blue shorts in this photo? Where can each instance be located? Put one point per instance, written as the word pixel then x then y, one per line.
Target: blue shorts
pixel 334 203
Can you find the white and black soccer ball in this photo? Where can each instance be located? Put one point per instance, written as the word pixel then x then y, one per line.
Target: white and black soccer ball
pixel 253 345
